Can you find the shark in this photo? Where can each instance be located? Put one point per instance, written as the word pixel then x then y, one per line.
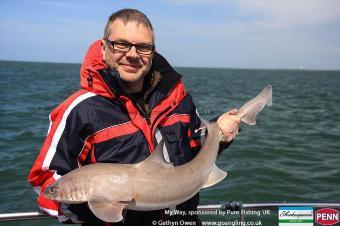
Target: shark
pixel 152 184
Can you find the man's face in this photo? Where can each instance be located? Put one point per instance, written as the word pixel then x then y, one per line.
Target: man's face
pixel 131 66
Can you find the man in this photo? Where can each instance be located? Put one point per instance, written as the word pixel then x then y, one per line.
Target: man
pixel 131 98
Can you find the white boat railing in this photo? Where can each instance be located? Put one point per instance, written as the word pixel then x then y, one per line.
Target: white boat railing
pixel 23 216
pixel 233 206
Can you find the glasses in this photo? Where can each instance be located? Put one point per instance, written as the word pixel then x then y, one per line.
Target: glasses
pixel 125 47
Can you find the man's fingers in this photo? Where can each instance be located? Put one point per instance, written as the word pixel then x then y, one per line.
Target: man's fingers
pixel 228 137
pixel 229 123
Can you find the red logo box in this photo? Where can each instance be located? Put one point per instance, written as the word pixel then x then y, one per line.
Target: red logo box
pixel 327 216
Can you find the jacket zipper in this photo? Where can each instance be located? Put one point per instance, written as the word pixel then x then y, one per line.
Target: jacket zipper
pixel 147 118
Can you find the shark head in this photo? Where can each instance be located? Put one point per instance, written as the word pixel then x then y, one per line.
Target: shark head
pixel 64 190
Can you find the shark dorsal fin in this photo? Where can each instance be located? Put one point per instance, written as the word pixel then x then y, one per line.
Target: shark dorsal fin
pixel 157 155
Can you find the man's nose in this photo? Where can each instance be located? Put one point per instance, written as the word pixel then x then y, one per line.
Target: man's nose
pixel 132 52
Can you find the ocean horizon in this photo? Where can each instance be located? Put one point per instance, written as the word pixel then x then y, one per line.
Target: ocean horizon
pixel 298 68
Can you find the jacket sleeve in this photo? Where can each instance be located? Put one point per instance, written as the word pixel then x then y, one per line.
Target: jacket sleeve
pixel 58 156
pixel 198 137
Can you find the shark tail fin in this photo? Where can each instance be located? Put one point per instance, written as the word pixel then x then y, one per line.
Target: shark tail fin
pixel 249 111
pixel 215 177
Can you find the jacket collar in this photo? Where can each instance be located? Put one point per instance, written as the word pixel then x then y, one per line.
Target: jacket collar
pixel 96 77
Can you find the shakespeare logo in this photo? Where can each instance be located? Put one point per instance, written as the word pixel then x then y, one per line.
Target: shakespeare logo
pixel 296 216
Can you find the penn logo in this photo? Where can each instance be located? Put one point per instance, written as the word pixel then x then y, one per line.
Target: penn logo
pixel 327 216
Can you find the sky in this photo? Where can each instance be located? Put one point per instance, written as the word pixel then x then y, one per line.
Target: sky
pixel 270 34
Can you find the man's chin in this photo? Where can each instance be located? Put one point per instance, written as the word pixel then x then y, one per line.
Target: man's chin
pixel 130 76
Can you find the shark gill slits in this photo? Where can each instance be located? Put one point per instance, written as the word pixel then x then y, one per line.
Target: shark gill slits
pixel 70 193
pixel 61 195
pixel 75 193
pixel 83 193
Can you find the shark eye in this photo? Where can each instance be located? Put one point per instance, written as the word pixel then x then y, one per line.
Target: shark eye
pixel 53 189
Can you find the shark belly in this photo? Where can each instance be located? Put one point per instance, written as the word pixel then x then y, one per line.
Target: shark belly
pixel 166 187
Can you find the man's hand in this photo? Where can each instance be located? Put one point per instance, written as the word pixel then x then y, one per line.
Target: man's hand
pixel 229 123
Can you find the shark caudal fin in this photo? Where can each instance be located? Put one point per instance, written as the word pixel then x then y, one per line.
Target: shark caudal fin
pixel 109 212
pixel 249 111
pixel 215 177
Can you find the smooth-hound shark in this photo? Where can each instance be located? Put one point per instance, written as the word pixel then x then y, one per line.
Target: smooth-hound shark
pixel 153 183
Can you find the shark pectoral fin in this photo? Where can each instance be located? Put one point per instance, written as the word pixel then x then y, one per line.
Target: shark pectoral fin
pixel 215 176
pixel 109 212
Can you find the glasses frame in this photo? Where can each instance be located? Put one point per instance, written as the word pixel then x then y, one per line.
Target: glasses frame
pixel 113 43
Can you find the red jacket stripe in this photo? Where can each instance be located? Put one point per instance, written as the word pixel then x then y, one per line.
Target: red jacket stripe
pixel 93 157
pixel 195 143
pixel 175 118
pixel 103 135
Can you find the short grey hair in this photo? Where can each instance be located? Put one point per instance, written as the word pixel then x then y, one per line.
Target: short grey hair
pixel 127 15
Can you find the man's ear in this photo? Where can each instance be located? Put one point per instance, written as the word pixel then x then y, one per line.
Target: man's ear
pixel 103 46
